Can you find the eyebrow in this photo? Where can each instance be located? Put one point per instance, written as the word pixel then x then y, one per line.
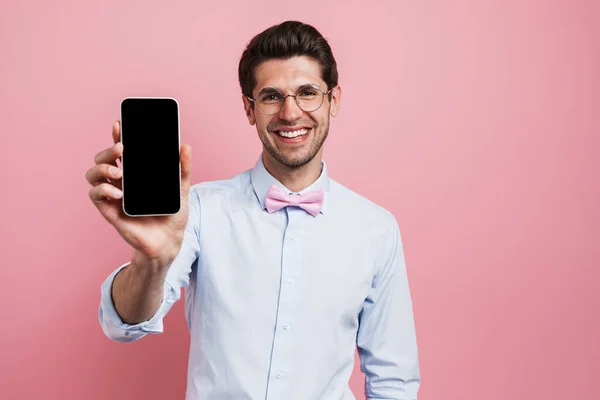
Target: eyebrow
pixel 270 89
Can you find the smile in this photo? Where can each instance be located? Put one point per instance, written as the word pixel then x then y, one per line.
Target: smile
pixel 292 134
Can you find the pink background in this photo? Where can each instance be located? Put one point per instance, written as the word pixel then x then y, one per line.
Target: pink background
pixel 475 123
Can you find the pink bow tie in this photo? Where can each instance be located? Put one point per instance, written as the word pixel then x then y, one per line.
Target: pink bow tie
pixel 311 202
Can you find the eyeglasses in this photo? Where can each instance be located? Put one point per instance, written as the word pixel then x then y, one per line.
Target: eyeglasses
pixel 308 97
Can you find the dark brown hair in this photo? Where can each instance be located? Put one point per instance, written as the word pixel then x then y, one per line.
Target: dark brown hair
pixel 283 41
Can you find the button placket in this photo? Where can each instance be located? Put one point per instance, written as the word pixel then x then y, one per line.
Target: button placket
pixel 291 265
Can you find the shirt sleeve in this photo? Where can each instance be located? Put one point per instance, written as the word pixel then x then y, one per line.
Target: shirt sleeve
pixel 178 277
pixel 386 339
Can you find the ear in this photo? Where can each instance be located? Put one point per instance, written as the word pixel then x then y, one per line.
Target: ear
pixel 336 98
pixel 249 109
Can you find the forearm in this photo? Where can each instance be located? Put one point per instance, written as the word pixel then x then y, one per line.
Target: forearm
pixel 137 290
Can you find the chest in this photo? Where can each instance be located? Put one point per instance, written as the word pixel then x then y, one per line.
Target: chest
pixel 314 268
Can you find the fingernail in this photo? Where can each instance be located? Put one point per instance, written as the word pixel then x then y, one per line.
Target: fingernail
pixel 117 193
pixel 114 171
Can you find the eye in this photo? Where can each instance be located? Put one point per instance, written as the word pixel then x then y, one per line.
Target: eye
pixel 270 97
pixel 308 93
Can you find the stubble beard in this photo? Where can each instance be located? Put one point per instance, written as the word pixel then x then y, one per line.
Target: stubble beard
pixel 297 162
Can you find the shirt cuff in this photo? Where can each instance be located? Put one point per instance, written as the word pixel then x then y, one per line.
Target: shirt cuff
pixel 390 398
pixel 112 324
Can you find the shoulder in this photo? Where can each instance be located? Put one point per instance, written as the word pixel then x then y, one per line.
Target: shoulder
pixel 221 188
pixel 375 226
pixel 223 195
pixel 360 206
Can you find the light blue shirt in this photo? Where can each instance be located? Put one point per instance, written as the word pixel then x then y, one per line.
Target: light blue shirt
pixel 278 303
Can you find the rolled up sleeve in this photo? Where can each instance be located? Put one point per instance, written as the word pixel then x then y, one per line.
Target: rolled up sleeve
pixel 386 340
pixel 178 277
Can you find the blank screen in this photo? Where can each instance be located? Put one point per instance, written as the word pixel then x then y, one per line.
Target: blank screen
pixel 150 161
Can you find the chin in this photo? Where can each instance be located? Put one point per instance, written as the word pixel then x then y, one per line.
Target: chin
pixel 296 161
pixel 290 160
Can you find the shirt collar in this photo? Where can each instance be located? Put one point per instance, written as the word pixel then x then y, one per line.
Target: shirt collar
pixel 261 181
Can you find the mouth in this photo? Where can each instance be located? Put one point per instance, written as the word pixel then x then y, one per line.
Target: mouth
pixel 293 136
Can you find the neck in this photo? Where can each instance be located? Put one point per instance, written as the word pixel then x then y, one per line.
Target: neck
pixel 295 179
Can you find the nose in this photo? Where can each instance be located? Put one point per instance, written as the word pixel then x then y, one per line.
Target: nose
pixel 290 110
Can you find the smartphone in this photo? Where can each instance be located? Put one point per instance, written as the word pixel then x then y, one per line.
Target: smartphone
pixel 151 170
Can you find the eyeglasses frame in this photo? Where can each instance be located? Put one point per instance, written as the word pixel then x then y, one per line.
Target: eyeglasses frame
pixel 295 99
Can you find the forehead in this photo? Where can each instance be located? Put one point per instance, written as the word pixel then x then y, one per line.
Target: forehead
pixel 288 74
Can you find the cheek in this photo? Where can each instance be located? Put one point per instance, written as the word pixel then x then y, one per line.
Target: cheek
pixel 321 119
pixel 262 123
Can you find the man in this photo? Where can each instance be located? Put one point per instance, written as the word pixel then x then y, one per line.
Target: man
pixel 286 272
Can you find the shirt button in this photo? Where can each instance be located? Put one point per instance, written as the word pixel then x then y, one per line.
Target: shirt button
pixel 279 374
pixel 291 280
pixel 293 238
pixel 286 327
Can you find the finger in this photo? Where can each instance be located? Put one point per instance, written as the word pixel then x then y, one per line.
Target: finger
pixel 110 155
pixel 110 211
pixel 186 168
pixel 103 173
pixel 104 191
pixel 116 131
pixel 118 183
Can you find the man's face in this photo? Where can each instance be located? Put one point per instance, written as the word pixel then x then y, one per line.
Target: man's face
pixel 292 137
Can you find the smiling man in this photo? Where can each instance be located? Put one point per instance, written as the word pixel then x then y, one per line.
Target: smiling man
pixel 286 271
pixel 293 135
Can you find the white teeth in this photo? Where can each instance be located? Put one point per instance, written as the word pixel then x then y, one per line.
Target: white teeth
pixel 293 134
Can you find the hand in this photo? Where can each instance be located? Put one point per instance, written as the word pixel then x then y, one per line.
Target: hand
pixel 156 239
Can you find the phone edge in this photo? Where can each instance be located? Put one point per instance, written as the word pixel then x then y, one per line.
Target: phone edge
pixel 123 162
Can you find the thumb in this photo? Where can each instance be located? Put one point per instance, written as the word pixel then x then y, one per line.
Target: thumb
pixel 185 155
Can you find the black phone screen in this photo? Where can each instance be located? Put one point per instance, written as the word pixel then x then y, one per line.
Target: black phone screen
pixel 150 161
